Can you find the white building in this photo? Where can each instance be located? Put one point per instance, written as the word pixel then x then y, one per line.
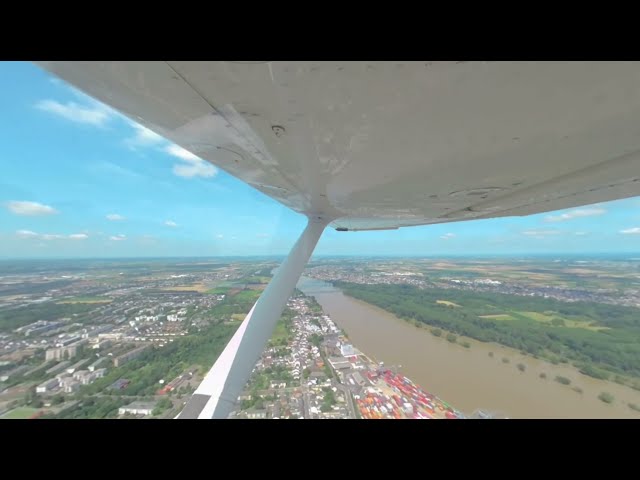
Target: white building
pixel 138 408
pixel 346 349
pixel 80 373
pixel 69 385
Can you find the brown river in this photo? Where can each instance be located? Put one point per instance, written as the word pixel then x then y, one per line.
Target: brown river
pixel 468 378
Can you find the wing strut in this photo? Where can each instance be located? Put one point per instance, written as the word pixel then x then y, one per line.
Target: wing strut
pixel 217 394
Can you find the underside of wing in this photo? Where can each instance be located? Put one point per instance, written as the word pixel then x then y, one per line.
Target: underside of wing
pixel 380 145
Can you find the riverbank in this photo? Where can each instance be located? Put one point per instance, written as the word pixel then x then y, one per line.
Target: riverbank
pixel 483 376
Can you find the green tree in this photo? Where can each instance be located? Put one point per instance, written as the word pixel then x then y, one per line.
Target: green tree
pixel 615 350
pixel 451 338
pixel 562 380
pixel 594 372
pixel 30 396
pixel 162 405
pixel 522 367
pixel 436 332
pixel 619 379
pixel 606 397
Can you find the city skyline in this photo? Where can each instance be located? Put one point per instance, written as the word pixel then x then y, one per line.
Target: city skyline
pixel 82 181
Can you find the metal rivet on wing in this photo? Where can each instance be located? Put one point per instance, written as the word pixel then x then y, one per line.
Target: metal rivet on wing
pixel 278 130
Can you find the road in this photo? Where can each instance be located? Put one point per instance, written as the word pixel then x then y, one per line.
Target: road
pixel 345 390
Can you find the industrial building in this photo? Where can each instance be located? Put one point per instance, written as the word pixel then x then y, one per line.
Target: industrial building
pixel 47 386
pixel 125 357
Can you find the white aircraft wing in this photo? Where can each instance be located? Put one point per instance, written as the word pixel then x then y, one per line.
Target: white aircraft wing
pixel 376 145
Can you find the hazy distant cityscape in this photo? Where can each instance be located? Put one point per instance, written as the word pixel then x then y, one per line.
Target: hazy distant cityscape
pixel 134 338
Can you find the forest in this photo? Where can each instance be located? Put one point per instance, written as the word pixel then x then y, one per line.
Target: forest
pixel 601 340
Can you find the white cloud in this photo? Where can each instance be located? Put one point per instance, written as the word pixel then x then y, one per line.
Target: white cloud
pixel 26 234
pixel 181 153
pixel 584 212
pixel 447 236
pixel 30 208
pixel 117 238
pixel 50 236
pixel 114 217
pixel 96 114
pixel 581 234
pixel 192 165
pixel 540 233
pixel 631 231
pixel 263 235
pixel 219 236
pixel 200 169
pixel 143 137
pixel 171 223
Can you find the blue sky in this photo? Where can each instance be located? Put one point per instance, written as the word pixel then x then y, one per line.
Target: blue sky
pixel 79 180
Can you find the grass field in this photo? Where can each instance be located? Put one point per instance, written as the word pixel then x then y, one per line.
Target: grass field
pixel 86 300
pixel 279 332
pixel 196 287
pixel 19 413
pixel 500 316
pixel 548 317
pixel 258 280
pixel 447 303
pixel 221 287
pixel 537 316
pixel 218 291
pixel 247 295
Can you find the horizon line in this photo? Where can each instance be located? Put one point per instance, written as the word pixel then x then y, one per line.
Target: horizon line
pixel 381 255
